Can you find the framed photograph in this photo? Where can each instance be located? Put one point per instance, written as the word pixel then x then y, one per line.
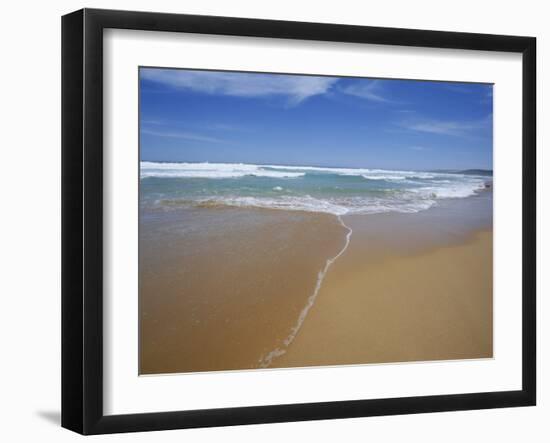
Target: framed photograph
pixel 268 221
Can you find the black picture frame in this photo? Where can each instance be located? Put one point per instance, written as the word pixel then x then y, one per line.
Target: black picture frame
pixel 82 220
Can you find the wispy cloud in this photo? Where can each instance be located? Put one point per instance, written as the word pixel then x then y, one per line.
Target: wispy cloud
pixel 225 127
pixel 369 90
pixel 437 127
pixel 418 148
pixel 147 121
pixel 481 93
pixel 183 135
pixel 177 125
pixel 295 88
pixel 446 127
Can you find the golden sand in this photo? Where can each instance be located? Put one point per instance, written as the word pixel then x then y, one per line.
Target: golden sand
pixel 403 290
pixel 433 305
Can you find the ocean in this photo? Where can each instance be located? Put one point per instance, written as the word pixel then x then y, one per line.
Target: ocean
pixel 338 191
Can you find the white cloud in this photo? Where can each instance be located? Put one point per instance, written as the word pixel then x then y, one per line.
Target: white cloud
pixel 295 88
pixel 152 122
pixel 454 128
pixel 183 135
pixel 437 127
pixel 367 90
pixel 225 127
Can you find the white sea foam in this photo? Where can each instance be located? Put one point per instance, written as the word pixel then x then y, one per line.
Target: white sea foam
pixel 383 177
pixel 415 202
pixel 370 174
pixel 211 170
pixel 235 170
pixel 341 171
pixel 266 360
pixel 452 190
pixel 304 203
pixel 217 174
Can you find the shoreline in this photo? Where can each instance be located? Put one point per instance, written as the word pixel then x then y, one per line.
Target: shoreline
pixel 266 361
pixel 387 243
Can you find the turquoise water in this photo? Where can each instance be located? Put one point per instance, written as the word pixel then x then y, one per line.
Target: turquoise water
pixel 337 191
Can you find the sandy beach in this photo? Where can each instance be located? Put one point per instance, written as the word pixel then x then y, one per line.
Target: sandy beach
pixel 430 305
pixel 230 289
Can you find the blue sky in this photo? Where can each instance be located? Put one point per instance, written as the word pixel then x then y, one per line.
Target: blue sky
pixel 234 117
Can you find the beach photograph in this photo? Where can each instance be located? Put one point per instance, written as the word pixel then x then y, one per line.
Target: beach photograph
pixel 293 220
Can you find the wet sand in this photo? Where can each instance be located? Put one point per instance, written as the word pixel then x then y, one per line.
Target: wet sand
pixel 225 289
pixel 220 288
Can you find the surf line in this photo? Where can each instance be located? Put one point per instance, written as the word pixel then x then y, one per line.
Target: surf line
pixel 266 360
